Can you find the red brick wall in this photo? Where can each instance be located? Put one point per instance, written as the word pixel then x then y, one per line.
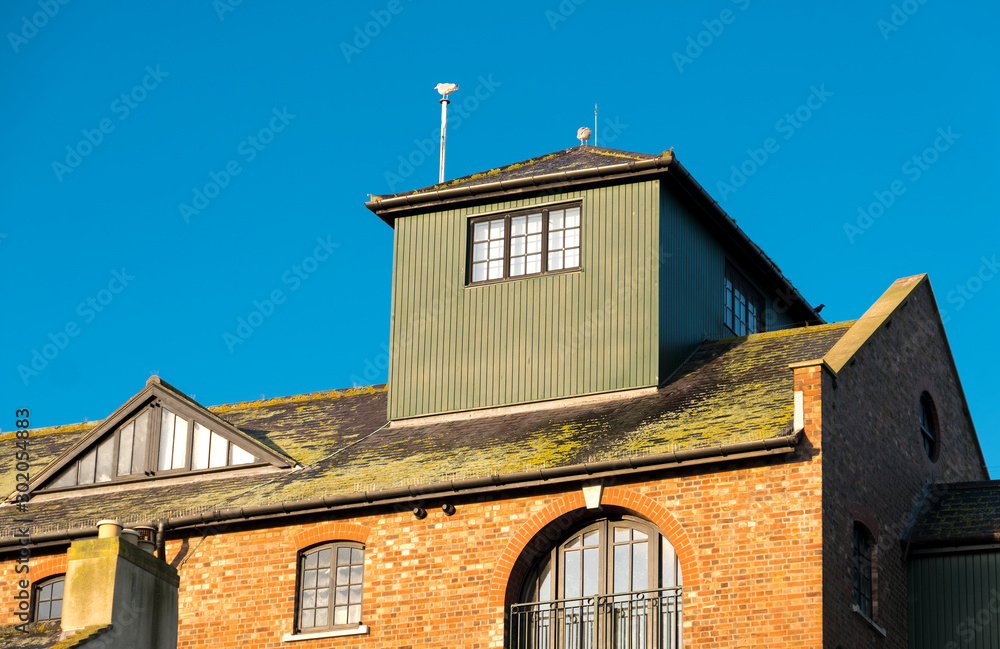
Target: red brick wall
pixel 748 536
pixel 875 468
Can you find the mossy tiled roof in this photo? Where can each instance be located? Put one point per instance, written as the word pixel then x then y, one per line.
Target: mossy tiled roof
pixel 578 157
pixel 729 391
pixel 966 513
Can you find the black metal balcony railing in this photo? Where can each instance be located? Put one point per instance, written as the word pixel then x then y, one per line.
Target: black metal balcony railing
pixel 648 619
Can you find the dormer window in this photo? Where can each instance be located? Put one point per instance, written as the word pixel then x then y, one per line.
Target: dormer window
pixel 158 433
pixel 525 243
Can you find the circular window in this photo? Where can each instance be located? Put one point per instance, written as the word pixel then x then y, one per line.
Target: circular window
pixel 928 426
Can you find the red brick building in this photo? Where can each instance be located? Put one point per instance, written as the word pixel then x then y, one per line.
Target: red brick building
pixel 610 422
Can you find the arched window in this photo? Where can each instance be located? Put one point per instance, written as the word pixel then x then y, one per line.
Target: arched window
pixel 331 579
pixel 49 599
pixel 615 582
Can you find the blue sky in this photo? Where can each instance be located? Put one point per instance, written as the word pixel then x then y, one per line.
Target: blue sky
pixel 168 168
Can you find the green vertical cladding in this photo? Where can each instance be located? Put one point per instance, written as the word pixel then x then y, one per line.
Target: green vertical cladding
pixel 954 601
pixel 692 270
pixel 459 348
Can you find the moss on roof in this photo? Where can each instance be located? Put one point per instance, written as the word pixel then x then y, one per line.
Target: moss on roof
pixel 729 391
pixel 578 157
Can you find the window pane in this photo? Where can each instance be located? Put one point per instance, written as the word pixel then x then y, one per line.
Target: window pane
pixel 343 575
pixel 572 217
pixel 517 246
pixel 534 243
pixel 342 594
pixel 67 478
pixel 572 258
pixel 139 442
pixel 621 567
pixel 555 240
pixel 534 223
pixel 309 580
pixel 534 264
pixel 555 220
pixel 240 456
pixel 357 574
pixel 199 447
pixel 571 238
pixel 496 229
pixel 57 589
pixel 43 611
pixel 340 616
pixel 479 272
pixel 308 618
pixel 496 269
pixel 354 614
pixel 323 578
pixel 517 266
pixel 355 594
pixel 343 556
pixel 622 534
pixel 322 617
pixel 518 224
pixel 56 610
pixel 496 249
pixel 166 440
pixel 591 560
pixel 545 583
pixel 323 598
pixel 125 448
pixel 573 577
pixel 324 558
pixel 220 451
pixel 481 231
pixel 87 465
pixel 311 560
pixel 309 599
pixel 479 251
pixel 105 459
pixel 357 555
pixel 640 565
pixel 555 260
pixel 180 442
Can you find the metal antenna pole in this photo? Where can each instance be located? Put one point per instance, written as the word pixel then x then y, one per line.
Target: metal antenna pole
pixel 595 124
pixel 444 130
pixel 445 89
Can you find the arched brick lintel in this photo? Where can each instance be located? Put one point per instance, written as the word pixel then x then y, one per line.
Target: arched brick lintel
pixel 617 496
pixel 45 567
pixel 328 531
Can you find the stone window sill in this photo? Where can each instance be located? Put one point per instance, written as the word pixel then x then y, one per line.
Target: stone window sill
pixel 292 637
pixel 871 623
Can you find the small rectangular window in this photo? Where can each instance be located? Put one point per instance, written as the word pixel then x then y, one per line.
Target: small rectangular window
pixel 331 580
pixel 520 244
pixel 743 311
